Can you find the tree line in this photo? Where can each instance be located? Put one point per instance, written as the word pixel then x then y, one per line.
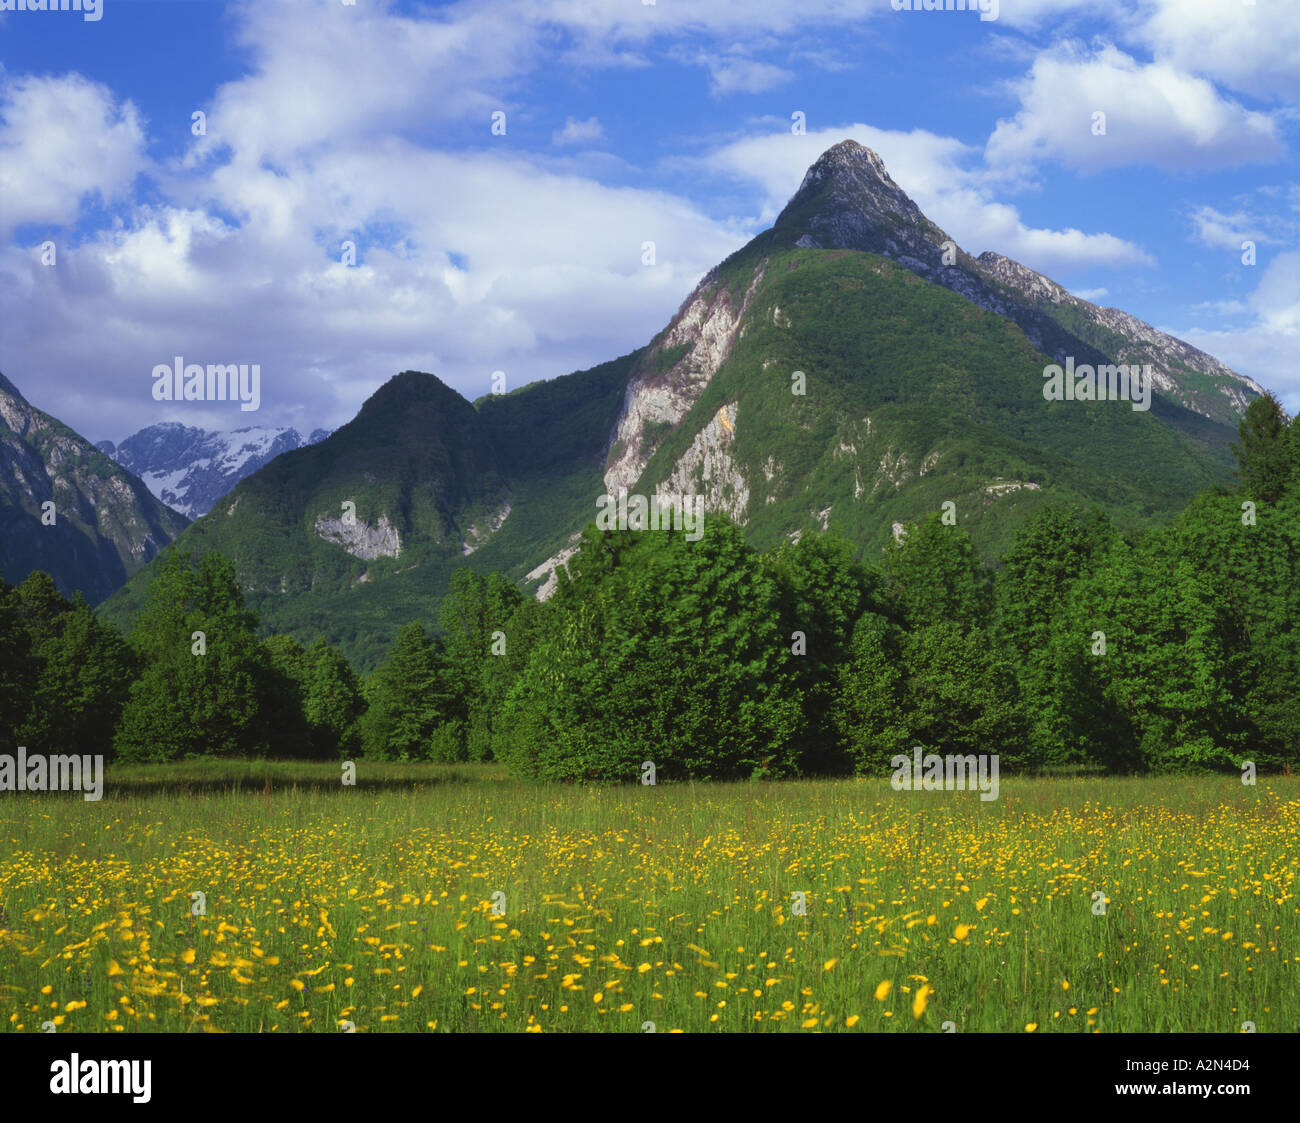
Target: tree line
pixel 1081 648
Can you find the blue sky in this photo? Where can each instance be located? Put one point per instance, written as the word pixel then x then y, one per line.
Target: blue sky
pixel 625 122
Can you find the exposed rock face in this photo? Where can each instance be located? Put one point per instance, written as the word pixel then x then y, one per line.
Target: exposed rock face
pixel 360 539
pixel 476 536
pixel 1144 343
pixel 707 468
pixel 847 200
pixel 103 525
pixel 549 570
pixel 704 330
pixel 1005 487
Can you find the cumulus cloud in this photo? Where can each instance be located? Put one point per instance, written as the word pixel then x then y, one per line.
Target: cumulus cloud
pixel 63 139
pixel 1248 47
pixel 466 264
pixel 332 72
pixel 1154 115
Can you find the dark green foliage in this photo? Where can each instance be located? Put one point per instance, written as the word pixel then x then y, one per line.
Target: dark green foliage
pixel 940 686
pixel 868 712
pixel 41 607
pixel 1167 691
pixel 822 591
pixel 935 576
pixel 961 697
pixel 191 704
pixel 283 691
pixel 84 671
pixel 411 700
pixel 659 650
pixel 475 619
pixel 17 669
pixel 1053 550
pixel 1251 562
pixel 334 704
pixel 1265 465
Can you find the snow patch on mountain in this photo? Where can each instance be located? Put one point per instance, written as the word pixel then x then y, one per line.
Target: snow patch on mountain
pixel 190 469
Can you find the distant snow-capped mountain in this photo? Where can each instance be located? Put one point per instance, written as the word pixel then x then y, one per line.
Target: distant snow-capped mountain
pixel 190 469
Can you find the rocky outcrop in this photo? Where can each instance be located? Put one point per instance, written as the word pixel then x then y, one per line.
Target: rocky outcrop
pixel 708 469
pixel 68 509
pixel 360 539
pixel 477 535
pixel 1140 342
pixel 673 376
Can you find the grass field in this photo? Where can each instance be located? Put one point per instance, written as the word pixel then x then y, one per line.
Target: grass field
pixel 373 906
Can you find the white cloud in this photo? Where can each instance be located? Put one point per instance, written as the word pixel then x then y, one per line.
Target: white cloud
pixel 552 281
pixel 1247 45
pixel 400 72
pixel 1251 47
pixel 1277 299
pixel 1033 15
pixel 1154 115
pixel 1093 295
pixel 1264 227
pixel 1220 307
pixel 745 76
pixel 1224 231
pixel 1266 348
pixel 579 132
pixel 62 140
pixel 635 21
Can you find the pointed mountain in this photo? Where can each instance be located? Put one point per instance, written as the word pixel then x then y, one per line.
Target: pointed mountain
pixel 848 201
pixel 850 367
pixel 68 509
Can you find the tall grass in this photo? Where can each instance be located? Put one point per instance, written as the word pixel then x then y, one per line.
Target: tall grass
pixel 677 905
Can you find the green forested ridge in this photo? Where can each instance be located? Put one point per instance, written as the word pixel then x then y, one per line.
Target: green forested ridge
pixel 1169 649
pixel 907 369
pixel 435 466
pixel 913 396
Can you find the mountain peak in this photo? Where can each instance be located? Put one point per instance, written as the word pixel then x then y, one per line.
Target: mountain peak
pixel 413 386
pixel 848 200
pixel 849 158
pixel 7 387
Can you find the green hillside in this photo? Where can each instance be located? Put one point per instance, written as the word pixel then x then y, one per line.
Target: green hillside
pixel 907 374
pixel 439 469
pixel 914 397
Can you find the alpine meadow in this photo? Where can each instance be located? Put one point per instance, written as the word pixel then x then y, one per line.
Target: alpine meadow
pixel 517 518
